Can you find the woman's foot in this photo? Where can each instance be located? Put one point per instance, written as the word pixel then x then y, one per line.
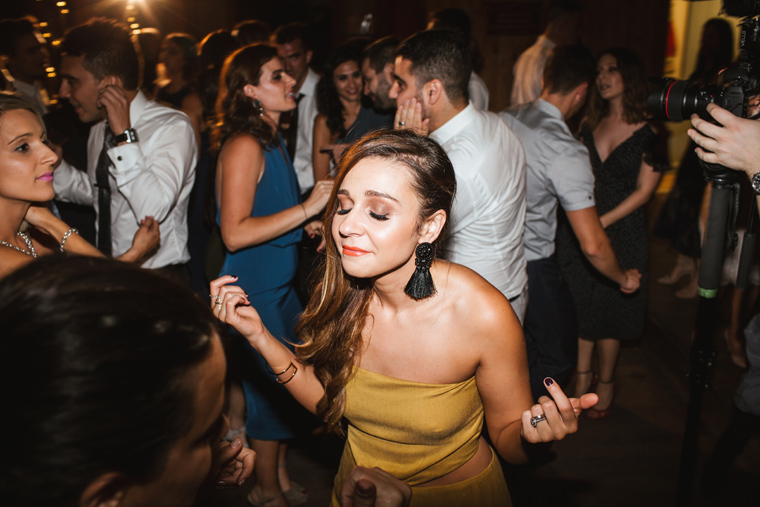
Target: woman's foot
pixel 259 499
pixel 735 349
pixel 583 382
pixel 684 266
pixel 293 492
pixel 605 390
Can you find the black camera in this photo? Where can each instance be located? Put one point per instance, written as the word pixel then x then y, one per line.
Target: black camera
pixel 678 100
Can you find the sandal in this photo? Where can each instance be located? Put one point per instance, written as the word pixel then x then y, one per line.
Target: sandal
pixel 595 413
pixel 296 495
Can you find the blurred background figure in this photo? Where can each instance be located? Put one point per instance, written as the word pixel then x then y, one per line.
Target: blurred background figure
pixel 149 41
pixel 342 118
pixel 563 28
pixel 627 157
pixel 26 57
pixel 679 220
pixel 179 58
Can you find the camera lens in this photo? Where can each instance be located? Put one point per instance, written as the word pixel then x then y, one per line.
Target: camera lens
pixel 678 100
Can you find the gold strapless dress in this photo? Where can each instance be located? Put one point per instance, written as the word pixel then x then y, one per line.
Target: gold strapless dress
pixel 419 432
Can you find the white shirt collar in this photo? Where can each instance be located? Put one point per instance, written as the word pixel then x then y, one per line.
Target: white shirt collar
pixel 454 125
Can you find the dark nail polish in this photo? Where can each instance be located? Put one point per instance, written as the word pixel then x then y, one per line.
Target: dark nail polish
pixel 548 382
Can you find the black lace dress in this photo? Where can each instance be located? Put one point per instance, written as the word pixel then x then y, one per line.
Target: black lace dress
pixel 603 310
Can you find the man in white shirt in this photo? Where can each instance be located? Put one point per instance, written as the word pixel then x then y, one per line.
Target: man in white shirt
pixel 487 219
pixel 558 172
pixel 292 45
pixel 564 21
pixel 26 57
pixel 140 160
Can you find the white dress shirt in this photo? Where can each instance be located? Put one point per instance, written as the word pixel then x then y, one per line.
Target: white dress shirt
pixel 488 215
pixel 478 92
pixel 307 111
pixel 528 71
pixel 153 176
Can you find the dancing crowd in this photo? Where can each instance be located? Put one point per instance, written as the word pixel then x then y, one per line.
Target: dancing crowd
pixel 365 248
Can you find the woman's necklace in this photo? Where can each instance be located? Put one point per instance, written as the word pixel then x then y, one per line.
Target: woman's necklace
pixel 29 244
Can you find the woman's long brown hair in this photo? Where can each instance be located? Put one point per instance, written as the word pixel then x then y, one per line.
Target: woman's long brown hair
pixel 331 326
pixel 635 91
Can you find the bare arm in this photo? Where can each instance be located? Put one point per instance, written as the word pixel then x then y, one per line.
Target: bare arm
pixel 502 380
pixel 646 184
pixel 236 311
pixel 322 138
pixel 240 167
pixel 596 247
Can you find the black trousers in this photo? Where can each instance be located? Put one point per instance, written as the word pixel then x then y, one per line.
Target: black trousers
pixel 551 326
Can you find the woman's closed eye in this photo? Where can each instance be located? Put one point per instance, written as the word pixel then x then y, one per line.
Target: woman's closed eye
pixel 377 216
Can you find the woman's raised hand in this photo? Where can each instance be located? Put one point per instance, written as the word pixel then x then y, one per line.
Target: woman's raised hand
pixel 230 305
pixel 320 194
pixel 553 419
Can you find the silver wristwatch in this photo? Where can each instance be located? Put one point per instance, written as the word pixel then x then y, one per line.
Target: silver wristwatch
pixel 128 136
pixel 755 180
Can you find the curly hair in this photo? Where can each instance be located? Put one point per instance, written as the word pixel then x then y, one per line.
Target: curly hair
pixel 635 90
pixel 235 111
pixel 328 101
pixel 331 326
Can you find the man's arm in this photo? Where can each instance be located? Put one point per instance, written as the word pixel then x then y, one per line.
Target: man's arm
pixel 72 185
pixel 596 247
pixel 152 182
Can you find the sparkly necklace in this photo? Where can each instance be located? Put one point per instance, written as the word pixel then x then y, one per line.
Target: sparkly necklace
pixel 28 241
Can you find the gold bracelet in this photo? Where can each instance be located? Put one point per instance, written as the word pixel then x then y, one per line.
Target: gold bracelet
pixel 305 215
pixel 269 369
pixel 295 370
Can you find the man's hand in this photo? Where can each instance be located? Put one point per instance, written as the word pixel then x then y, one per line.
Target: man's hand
pixel 374 487
pixel 735 145
pixel 631 282
pixel 114 99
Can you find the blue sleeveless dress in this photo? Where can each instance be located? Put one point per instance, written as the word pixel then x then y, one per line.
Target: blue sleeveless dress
pixel 266 273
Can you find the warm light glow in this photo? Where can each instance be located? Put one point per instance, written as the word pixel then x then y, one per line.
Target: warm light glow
pixel 47 35
pixel 51 74
pixel 61 4
pixel 50 69
pixel 43 24
pixel 131 19
pixel 64 11
pixel 134 25
pixel 56 42
pixel 130 7
pixel 137 32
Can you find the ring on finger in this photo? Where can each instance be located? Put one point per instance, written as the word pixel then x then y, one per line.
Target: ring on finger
pixel 401 123
pixel 537 419
pixel 219 306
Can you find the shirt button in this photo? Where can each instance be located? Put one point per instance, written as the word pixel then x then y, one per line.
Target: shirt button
pixel 118 158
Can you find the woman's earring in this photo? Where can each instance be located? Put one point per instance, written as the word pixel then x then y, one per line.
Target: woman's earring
pixel 421 284
pixel 257 105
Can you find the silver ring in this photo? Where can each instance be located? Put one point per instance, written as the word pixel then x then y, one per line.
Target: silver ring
pixel 537 419
pixel 217 299
pixel 219 307
pixel 401 123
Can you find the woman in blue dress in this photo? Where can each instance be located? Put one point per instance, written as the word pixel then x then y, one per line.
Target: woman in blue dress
pixel 260 217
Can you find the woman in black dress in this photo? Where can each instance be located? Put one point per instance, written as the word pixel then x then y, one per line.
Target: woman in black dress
pixel 621 146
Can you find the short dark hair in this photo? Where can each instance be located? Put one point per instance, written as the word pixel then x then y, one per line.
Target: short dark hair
pixel 107 48
pixel 100 383
pixel 290 32
pixel 380 53
pixel 11 30
pixel 442 55
pixel 567 68
pixel 251 31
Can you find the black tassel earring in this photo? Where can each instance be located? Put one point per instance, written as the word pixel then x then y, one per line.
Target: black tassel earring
pixel 421 284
